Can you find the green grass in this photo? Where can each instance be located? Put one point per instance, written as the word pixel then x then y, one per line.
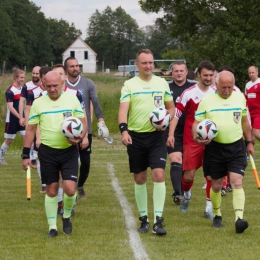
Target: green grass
pixel 99 228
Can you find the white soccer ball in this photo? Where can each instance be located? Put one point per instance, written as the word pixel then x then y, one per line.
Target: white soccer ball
pixel 71 127
pixel 160 118
pixel 207 129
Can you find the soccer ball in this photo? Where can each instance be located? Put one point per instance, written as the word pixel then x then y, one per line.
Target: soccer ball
pixel 207 129
pixel 160 118
pixel 71 127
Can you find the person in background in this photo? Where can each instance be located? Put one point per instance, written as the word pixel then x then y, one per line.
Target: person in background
pixel 34 82
pixel 12 126
pixel 178 84
pixel 88 91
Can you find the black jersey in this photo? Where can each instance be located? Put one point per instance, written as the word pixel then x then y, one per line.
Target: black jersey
pixel 176 92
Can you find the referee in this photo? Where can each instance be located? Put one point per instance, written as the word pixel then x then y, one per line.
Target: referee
pixel 56 153
pixel 227 152
pixel 146 147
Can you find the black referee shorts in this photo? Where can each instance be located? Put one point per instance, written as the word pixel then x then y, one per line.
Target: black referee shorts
pixel 147 150
pixel 55 160
pixel 178 145
pixel 222 158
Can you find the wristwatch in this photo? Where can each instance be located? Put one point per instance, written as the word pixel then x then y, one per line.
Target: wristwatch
pixel 248 142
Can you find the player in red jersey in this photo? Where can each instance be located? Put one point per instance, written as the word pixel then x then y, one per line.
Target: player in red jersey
pixel 192 152
pixel 252 93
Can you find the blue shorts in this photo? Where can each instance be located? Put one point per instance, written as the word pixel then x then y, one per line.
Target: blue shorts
pixel 147 150
pixel 12 128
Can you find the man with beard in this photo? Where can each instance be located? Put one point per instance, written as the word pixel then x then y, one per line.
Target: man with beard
pixel 88 92
pixel 177 86
pixel 192 152
pixel 34 82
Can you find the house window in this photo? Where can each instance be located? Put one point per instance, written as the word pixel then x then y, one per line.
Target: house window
pixel 86 55
pixel 72 54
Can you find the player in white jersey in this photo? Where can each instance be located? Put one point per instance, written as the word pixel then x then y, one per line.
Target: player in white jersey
pixel 12 125
pixel 31 96
pixel 35 81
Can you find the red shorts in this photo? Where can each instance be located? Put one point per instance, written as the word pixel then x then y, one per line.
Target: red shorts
pixel 192 156
pixel 255 122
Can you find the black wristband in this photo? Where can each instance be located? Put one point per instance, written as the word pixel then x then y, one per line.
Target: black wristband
pixel 123 127
pixel 248 142
pixel 26 153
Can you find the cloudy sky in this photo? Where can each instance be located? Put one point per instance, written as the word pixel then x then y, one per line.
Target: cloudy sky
pixel 79 11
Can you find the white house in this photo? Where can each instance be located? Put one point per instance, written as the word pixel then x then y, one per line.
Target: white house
pixel 83 53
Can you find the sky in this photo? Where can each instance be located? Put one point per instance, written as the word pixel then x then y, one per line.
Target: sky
pixel 79 11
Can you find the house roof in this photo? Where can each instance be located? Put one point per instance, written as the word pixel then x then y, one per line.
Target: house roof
pixel 79 39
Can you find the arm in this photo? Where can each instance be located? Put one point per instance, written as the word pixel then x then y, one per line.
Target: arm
pixel 28 139
pixel 27 112
pixel 171 108
pixel 247 134
pixel 196 137
pixel 21 109
pixel 91 111
pixel 85 143
pixel 10 106
pixel 75 141
pixel 122 119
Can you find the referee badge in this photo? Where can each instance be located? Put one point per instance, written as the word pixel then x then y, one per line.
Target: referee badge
pixel 237 117
pixel 157 101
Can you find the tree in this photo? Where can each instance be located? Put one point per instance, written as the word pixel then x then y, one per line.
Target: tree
pixel 114 36
pixel 62 35
pixel 223 31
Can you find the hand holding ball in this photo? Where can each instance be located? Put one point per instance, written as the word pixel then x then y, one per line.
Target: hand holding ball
pixel 71 127
pixel 160 118
pixel 207 129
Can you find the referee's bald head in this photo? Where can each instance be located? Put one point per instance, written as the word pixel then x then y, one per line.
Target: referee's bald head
pixel 225 84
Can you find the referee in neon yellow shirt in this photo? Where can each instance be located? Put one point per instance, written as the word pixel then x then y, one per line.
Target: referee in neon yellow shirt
pixel 227 152
pixel 146 147
pixel 56 152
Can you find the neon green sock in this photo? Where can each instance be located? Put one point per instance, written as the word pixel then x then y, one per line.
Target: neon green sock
pixel 159 193
pixel 238 202
pixel 68 203
pixel 51 207
pixel 216 202
pixel 141 198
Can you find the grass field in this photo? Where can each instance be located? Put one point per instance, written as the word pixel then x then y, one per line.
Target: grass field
pixel 104 225
pixel 102 231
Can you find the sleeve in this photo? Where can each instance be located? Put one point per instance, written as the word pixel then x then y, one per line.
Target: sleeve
pixel 201 111
pixel 9 95
pixel 24 91
pixel 34 116
pixel 78 112
pixel 125 93
pixel 30 98
pixel 93 96
pixel 80 98
pixel 167 95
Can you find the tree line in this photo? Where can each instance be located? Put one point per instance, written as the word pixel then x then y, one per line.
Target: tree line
pixel 27 38
pixel 223 31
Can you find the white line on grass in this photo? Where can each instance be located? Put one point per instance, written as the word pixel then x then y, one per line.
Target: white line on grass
pixel 134 238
